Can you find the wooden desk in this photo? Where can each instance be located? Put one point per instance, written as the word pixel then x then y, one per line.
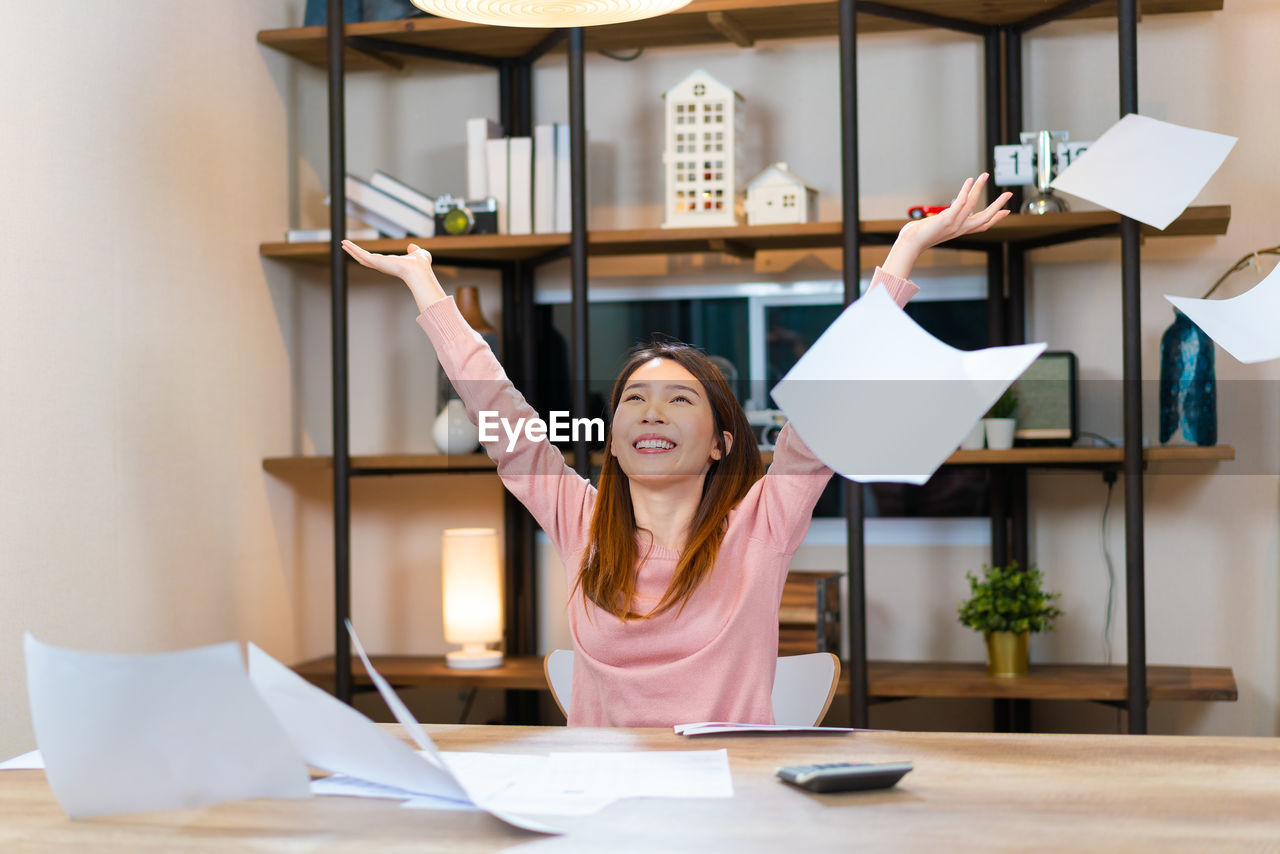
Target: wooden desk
pixel 975 792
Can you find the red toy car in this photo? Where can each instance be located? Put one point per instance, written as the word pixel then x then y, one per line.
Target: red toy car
pixel 922 211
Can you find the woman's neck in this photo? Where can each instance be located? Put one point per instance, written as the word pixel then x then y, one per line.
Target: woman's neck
pixel 665 507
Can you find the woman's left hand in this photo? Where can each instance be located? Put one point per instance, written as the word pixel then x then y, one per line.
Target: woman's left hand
pixel 956 221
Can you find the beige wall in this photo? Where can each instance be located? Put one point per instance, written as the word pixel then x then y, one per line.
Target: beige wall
pixel 143 354
pixel 151 359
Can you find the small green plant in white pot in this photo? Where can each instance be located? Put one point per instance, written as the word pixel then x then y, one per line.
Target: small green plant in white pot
pixel 1007 604
pixel 1001 422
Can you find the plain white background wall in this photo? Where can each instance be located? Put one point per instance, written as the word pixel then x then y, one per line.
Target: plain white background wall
pixel 143 359
pixel 151 359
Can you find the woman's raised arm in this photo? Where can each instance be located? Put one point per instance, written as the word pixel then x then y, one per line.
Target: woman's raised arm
pixel 413 269
pixel 531 468
pixel 959 219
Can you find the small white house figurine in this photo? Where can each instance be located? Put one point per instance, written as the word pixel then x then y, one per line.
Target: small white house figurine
pixel 703 126
pixel 777 195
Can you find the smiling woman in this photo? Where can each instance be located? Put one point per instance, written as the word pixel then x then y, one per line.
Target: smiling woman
pixel 674 420
pixel 676 563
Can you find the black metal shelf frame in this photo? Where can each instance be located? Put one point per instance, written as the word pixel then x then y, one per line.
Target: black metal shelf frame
pixel 1006 267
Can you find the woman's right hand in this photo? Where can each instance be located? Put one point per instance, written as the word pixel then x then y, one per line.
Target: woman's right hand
pixel 414 269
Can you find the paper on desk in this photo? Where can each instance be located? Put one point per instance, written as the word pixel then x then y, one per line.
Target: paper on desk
pixel 727 728
pixel 133 733
pixel 331 735
pixel 1247 326
pixel 517 783
pixel 879 399
pixel 426 747
pixel 1146 169
pixel 643 774
pixel 582 783
pixel 344 785
pixel 29 761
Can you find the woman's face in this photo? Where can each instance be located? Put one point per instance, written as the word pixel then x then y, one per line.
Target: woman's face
pixel 664 424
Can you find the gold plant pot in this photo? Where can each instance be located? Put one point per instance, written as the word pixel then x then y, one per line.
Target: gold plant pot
pixel 1007 653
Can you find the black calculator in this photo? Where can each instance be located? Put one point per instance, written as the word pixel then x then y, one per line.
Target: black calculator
pixel 844 776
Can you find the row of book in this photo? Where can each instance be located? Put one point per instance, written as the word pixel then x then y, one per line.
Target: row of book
pixel 527 177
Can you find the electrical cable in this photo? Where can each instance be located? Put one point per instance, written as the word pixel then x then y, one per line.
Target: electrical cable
pixel 1250 260
pixel 620 57
pixel 1110 478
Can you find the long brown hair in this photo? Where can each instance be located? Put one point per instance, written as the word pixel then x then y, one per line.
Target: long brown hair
pixel 608 572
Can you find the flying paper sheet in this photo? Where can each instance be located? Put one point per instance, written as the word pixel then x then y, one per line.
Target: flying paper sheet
pixel 133 733
pixel 1247 326
pixel 1146 169
pixel 879 399
pixel 331 735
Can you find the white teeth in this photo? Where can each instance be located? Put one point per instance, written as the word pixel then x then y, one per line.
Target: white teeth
pixel 655 443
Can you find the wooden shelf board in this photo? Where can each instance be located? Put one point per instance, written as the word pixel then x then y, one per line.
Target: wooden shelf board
pixel 888 679
pixel 1207 221
pixel 759 19
pixel 904 679
pixel 1088 457
pixel 471 463
pixel 519 672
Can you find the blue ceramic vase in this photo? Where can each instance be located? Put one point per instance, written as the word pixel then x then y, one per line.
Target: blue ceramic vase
pixel 1188 388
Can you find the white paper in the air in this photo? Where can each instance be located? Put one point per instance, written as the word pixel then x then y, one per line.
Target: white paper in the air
pixel 1247 326
pixel 879 399
pixel 1146 169
pixel 331 735
pixel 172 730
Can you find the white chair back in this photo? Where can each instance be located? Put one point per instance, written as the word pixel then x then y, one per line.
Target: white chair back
pixel 803 685
pixel 558 665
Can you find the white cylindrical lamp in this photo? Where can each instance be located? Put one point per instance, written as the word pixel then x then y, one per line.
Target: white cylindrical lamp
pixel 472 597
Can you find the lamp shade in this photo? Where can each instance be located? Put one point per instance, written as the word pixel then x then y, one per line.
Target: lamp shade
pixel 548 13
pixel 472 595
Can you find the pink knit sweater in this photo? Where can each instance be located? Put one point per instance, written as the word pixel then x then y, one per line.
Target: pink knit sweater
pixel 714 659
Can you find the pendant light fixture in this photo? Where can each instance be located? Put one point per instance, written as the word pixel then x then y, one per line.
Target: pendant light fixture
pixel 550 14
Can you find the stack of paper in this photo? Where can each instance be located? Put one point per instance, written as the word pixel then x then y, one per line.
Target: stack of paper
pixel 727 728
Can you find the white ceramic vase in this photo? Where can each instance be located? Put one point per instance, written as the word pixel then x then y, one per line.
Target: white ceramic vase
pixel 999 432
pixel 977 434
pixel 453 431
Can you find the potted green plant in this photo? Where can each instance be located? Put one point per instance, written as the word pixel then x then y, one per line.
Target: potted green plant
pixel 1007 604
pixel 1000 421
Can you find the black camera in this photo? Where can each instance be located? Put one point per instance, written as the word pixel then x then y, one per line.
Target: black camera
pixel 766 424
pixel 455 216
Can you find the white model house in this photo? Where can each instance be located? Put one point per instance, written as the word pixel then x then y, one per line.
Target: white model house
pixel 778 195
pixel 703 126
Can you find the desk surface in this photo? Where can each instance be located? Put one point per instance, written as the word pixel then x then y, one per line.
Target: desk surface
pixel 967 792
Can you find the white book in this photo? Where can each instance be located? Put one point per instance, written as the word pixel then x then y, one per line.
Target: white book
pixel 375 219
pixel 479 131
pixel 496 155
pixel 520 184
pixel 563 203
pixel 402 191
pixel 321 235
pixel 544 179
pixel 412 220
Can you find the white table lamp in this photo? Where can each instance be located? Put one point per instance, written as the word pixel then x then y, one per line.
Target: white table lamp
pixel 472 597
